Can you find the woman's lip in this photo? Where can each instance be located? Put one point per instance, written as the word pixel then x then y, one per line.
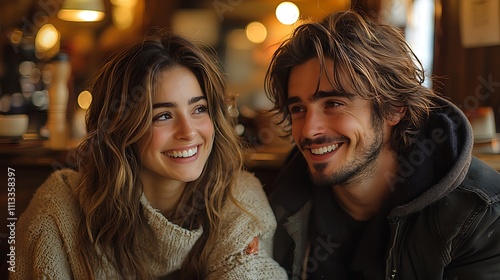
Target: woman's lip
pixel 184 152
pixel 182 148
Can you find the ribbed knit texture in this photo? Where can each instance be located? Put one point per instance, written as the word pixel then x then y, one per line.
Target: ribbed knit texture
pixel 46 244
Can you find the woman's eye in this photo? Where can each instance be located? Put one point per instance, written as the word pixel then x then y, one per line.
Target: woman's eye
pixel 201 109
pixel 163 117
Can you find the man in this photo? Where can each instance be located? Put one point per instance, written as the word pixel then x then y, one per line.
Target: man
pixel 384 185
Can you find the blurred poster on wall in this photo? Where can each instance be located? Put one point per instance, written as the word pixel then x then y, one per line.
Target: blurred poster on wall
pixel 479 23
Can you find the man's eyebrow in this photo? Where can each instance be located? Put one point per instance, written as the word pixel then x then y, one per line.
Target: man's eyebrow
pixel 334 93
pixel 292 100
pixel 173 104
pixel 319 95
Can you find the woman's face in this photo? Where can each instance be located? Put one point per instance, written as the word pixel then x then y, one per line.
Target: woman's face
pixel 182 131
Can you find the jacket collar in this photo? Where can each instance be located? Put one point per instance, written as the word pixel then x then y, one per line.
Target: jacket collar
pixel 438 163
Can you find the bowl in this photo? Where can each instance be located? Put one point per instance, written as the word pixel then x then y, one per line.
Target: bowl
pixel 13 126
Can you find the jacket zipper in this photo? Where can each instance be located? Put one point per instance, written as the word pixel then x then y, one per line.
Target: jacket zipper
pixel 391 263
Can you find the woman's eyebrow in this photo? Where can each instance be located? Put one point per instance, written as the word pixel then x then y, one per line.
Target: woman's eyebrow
pixel 164 105
pixel 173 104
pixel 196 99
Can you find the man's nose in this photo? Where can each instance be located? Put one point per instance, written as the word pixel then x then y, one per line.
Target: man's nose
pixel 314 124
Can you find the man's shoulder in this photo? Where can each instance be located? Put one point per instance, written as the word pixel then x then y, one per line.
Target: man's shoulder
pixel 292 186
pixel 468 204
pixel 482 180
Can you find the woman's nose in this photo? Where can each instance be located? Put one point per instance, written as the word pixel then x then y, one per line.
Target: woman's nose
pixel 185 129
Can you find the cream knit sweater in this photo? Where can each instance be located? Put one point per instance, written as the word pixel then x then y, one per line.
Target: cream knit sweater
pixel 46 245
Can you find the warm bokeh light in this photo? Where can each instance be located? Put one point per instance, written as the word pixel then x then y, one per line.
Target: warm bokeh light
pixel 287 13
pixel 16 36
pixel 26 67
pixel 84 99
pixel 256 32
pixel 46 38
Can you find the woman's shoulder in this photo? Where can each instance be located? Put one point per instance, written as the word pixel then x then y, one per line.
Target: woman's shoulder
pixel 250 202
pixel 59 182
pixel 49 225
pixel 247 227
pixel 247 186
pixel 54 198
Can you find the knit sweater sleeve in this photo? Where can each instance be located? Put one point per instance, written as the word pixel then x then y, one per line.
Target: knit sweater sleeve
pixel 44 233
pixel 230 259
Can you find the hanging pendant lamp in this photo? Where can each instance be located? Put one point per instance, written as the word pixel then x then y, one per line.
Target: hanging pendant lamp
pixel 82 10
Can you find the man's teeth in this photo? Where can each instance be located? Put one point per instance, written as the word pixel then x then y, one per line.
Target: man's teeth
pixel 324 150
pixel 186 153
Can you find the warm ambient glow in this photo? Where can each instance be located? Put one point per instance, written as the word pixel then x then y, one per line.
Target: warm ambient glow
pixel 256 32
pixel 128 3
pixel 82 10
pixel 123 12
pixel 287 13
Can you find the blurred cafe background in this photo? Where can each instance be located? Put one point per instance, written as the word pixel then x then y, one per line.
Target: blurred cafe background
pixel 50 48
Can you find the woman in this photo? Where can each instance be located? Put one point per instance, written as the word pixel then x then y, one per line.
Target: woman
pixel 159 190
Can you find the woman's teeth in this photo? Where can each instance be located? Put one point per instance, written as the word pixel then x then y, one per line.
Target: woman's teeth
pixel 186 153
pixel 324 150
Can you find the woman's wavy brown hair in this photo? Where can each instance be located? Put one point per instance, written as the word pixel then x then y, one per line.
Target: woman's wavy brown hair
pixel 375 58
pixel 108 159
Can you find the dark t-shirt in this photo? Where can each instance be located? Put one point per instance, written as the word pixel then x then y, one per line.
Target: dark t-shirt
pixel 341 246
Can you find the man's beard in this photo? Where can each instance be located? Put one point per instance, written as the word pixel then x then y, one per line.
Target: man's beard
pixel 356 170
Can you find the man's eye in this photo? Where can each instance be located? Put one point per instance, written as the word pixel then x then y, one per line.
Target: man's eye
pixel 295 109
pixel 329 104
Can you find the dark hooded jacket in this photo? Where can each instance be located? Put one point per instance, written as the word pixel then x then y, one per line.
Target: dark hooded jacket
pixel 441 221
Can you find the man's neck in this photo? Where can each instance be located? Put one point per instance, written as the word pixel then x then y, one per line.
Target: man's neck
pixel 363 199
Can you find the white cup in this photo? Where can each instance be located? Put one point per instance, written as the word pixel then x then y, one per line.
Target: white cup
pixel 13 125
pixel 483 123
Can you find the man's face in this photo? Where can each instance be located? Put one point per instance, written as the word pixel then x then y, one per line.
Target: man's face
pixel 336 131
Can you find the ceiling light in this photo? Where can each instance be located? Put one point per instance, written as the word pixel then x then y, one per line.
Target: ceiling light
pixel 82 10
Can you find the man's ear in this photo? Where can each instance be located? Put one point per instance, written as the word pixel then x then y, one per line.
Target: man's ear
pixel 396 116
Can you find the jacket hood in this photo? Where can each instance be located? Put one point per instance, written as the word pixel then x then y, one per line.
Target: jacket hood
pixel 438 162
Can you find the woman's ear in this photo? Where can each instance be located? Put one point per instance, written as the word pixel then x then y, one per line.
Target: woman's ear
pixel 396 116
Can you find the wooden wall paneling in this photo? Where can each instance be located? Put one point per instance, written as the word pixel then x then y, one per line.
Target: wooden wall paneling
pixel 470 77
